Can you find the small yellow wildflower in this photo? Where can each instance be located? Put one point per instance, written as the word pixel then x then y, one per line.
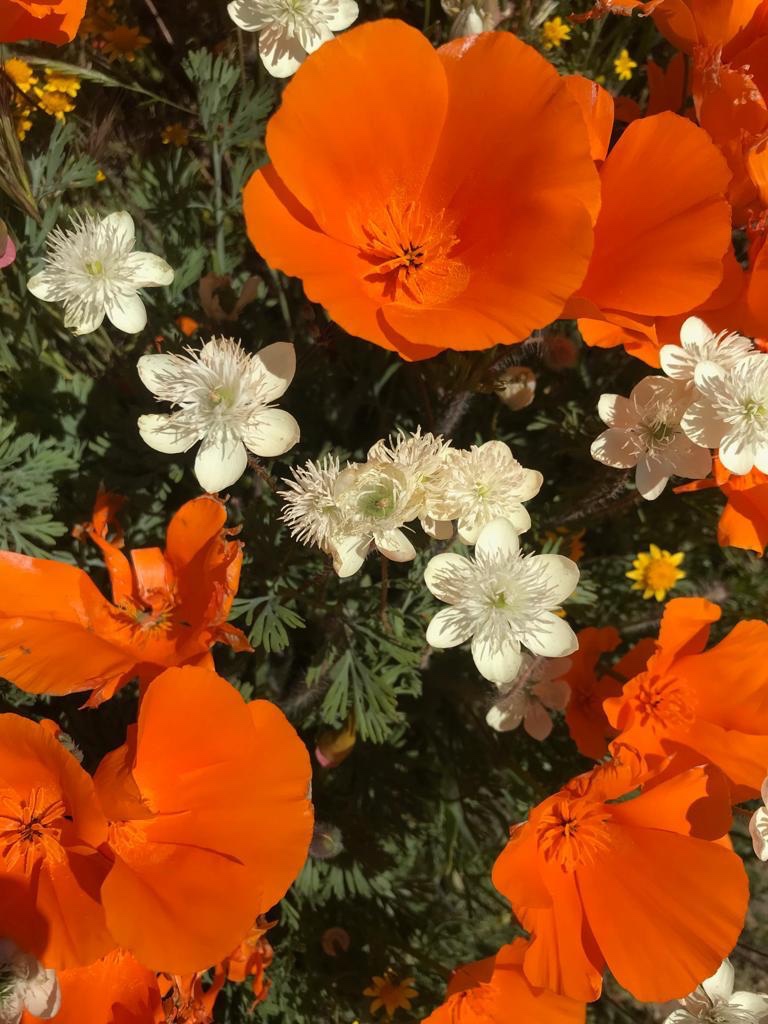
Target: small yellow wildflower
pixel 100 176
pixel 57 104
pixel 55 82
pixel 20 73
pixel 554 33
pixel 656 572
pixel 623 66
pixel 22 119
pixel 175 135
pixel 121 43
pixel 389 994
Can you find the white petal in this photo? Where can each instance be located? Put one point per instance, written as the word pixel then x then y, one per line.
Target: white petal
pixel 448 628
pixel 561 575
pixel 220 464
pixel 761 459
pixel 735 455
pixel 87 323
pixel 616 411
pixel 498 662
pixel 758 829
pixel 720 985
pixel 444 576
pixel 151 366
pixel 42 996
pixel 275 365
pixel 651 477
pixel 702 424
pixel 694 463
pixel 753 1002
pixel 41 287
pixel 313 40
pixel 126 312
pixel 246 15
pixel 346 12
pixel 538 721
pixel 440 529
pixel 349 554
pixel 498 538
pixel 281 53
pixel 694 333
pixel 502 719
pixel 676 362
pixel 164 434
pixel 550 636
pixel 147 270
pixel 531 485
pixel 120 226
pixel 271 432
pixel 614 447
pixel 395 545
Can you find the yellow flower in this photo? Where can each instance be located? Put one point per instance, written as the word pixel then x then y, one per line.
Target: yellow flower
pixel 55 82
pixel 175 135
pixel 22 121
pixel 623 66
pixel 57 104
pixel 20 73
pixel 389 994
pixel 100 176
pixel 554 33
pixel 123 42
pixel 655 572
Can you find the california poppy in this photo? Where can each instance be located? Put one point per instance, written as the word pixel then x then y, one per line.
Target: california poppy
pixel 208 826
pixel 647 886
pixel 678 704
pixel 250 959
pixel 484 992
pixel 709 24
pixel 744 520
pixel 51 830
pixel 116 989
pixel 50 21
pixel 418 224
pixel 59 634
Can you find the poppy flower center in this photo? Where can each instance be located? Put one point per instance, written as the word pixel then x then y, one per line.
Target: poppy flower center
pixel 573 832
pixel 411 252
pixel 662 702
pixel 30 828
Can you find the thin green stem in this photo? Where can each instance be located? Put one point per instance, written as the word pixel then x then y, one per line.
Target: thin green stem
pixel 220 255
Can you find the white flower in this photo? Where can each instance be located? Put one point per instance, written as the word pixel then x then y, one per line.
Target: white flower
pixel 537 689
pixel 375 500
pixel 471 17
pixel 223 397
pixel 94 272
pixel 422 457
pixel 715 1002
pixel 482 484
pixel 758 826
pixel 309 507
pixel 25 985
pixel 502 600
pixel 731 414
pixel 290 29
pixel 644 431
pixel 700 349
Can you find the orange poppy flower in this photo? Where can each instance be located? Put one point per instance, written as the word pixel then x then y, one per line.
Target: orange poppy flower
pixel 403 211
pixel 662 235
pixel 676 705
pixel 692 24
pixel 50 21
pixel 51 828
pixel 647 886
pixel 59 634
pixel 208 826
pixel 586 720
pixel 116 989
pixel 744 520
pixel 603 7
pixel 483 992
pixel 250 959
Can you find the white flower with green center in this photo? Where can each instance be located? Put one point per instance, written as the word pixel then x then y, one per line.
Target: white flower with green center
pixel 309 505
pixel 536 690
pixel 291 29
pixel 484 483
pixel 422 457
pixel 503 601
pixel 645 432
pixel 223 397
pixel 700 349
pixel 375 501
pixel 715 1002
pixel 731 414
pixel 758 826
pixel 25 985
pixel 93 271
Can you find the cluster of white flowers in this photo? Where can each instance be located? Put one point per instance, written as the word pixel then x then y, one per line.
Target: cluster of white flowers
pixel 714 396
pixel 25 985
pixel 715 1002
pixel 348 512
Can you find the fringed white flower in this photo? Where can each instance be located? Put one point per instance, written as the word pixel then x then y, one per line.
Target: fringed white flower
pixel 645 432
pixel 309 505
pixel 93 271
pixel 503 601
pixel 422 457
pixel 223 397
pixel 731 414
pixel 536 690
pixel 482 484
pixel 700 349
pixel 715 1002
pixel 25 985
pixel 291 29
pixel 758 826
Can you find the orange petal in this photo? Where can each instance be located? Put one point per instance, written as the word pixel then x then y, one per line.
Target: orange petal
pixel 55 22
pixel 705 23
pixel 685 627
pixel 596 105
